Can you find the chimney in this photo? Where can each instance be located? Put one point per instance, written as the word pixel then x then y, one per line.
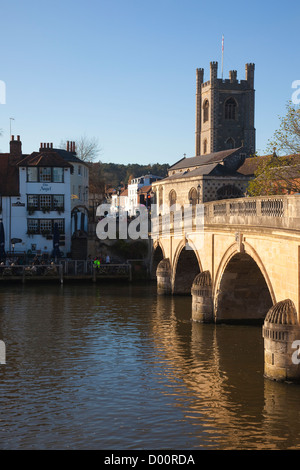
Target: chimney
pixel 46 146
pixel 68 146
pixel 15 146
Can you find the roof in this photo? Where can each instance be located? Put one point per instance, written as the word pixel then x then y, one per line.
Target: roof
pixel 214 169
pixel 47 158
pixel 200 160
pixel 70 156
pixel 145 189
pixel 251 164
pixel 9 176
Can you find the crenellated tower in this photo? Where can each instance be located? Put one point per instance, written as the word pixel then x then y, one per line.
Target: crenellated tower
pixel 225 111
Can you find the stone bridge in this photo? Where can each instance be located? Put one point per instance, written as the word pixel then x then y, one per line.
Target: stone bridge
pixel 241 260
pixel 239 263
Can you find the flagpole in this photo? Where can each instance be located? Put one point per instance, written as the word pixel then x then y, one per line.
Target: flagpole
pixel 222 54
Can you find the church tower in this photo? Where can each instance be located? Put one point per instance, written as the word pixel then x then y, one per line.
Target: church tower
pixel 225 111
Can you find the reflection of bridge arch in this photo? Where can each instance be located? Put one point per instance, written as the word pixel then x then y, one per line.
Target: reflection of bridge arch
pixel 242 289
pixel 186 266
pixel 157 255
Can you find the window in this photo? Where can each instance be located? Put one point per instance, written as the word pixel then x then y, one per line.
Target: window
pixel 79 169
pixel 32 226
pixel 58 175
pixel 230 108
pixel 193 197
pixel 45 175
pixel 58 202
pixel 32 174
pixel 230 143
pixel 61 224
pixel 32 201
pixel 172 198
pixel 45 202
pixel 45 226
pixel 205 110
pixel 205 146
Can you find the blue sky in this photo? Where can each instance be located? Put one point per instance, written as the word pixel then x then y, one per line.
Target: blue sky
pixel 124 71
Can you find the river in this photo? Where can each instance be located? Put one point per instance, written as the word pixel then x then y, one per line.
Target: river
pixel 114 366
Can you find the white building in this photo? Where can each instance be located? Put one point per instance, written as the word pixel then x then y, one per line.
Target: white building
pixel 36 195
pixel 134 194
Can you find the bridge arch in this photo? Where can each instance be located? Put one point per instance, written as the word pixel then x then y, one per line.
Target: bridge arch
pixel 242 288
pixel 158 254
pixel 186 266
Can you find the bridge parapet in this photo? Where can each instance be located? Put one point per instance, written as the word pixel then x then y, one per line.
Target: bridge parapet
pixel 265 211
pixel 282 212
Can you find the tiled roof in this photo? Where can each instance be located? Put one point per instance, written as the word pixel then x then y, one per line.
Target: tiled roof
pixel 250 165
pixel 214 169
pixel 200 160
pixel 9 176
pixel 69 156
pixel 47 158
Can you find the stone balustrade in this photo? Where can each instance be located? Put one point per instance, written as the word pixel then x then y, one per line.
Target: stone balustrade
pixel 282 212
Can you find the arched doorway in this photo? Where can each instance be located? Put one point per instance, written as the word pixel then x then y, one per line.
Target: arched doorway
pixel 243 293
pixel 187 268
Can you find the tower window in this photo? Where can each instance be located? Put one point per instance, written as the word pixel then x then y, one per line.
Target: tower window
pixel 230 143
pixel 205 110
pixel 205 146
pixel 230 108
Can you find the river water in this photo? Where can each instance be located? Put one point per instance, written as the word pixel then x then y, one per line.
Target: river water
pixel 114 366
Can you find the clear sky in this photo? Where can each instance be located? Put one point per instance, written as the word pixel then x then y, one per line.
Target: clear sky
pixel 124 71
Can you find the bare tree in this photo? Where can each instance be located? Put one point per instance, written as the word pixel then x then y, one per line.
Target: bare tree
pixel 87 148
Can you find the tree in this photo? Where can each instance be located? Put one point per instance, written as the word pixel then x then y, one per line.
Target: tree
pixel 275 175
pixel 87 148
pixel 286 139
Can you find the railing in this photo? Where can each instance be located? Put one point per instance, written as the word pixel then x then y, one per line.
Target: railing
pixel 265 212
pixel 65 270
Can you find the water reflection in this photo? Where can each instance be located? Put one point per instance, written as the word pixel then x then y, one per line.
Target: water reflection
pixel 117 367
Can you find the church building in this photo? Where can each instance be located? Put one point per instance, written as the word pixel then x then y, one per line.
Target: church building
pixel 225 137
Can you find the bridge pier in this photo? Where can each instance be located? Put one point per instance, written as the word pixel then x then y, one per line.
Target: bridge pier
pixel 163 275
pixel 281 333
pixel 202 303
